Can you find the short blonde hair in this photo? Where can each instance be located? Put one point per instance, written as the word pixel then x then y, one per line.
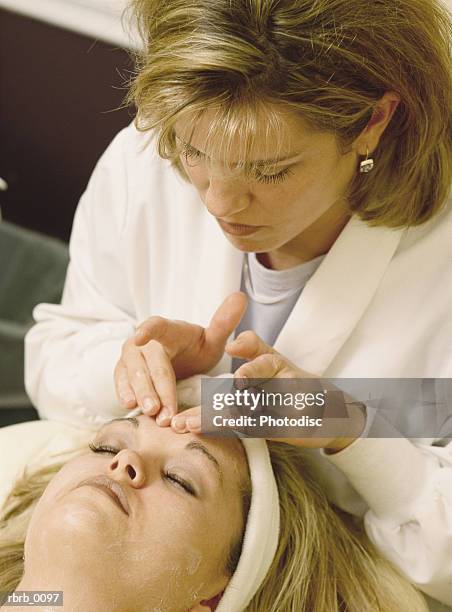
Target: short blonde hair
pixel 330 61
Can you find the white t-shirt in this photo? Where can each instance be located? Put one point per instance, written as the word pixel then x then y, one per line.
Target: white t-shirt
pixel 271 296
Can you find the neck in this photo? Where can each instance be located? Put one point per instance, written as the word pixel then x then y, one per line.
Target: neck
pixel 315 240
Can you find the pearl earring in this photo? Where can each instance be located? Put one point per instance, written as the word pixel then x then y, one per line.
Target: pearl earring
pixel 367 164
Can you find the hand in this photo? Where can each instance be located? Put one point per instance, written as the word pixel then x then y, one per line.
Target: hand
pixel 264 362
pixel 164 350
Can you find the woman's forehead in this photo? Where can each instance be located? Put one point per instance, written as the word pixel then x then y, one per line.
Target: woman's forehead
pixel 235 459
pixel 259 138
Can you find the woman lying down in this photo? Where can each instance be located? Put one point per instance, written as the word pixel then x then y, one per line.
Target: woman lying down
pixel 149 520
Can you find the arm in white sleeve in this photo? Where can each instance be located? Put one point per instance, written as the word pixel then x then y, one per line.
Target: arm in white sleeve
pixel 71 351
pixel 408 488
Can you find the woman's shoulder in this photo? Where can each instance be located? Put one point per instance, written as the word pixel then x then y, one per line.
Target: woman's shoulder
pixel 128 147
pixel 131 184
pixel 433 237
pixel 136 151
pixel 136 169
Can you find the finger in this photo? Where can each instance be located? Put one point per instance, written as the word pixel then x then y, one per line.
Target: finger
pixel 187 421
pixel 151 329
pixel 193 419
pixel 248 345
pixel 163 378
pixel 139 379
pixel 124 391
pixel 265 366
pixel 226 318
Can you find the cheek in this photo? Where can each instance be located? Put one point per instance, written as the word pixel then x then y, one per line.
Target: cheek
pixel 183 560
pixel 284 200
pixel 317 187
pixel 188 536
pixel 335 173
pixel 61 521
pixel 61 496
pixel 197 173
pixel 66 479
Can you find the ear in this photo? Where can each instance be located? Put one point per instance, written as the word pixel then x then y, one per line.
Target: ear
pixel 382 115
pixel 207 605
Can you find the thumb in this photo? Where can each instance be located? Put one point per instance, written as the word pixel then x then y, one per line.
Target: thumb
pixel 226 318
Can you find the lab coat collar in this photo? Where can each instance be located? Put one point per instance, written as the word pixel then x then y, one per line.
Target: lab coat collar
pixel 336 296
pixel 331 303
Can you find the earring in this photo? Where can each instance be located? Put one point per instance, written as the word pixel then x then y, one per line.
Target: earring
pixel 367 164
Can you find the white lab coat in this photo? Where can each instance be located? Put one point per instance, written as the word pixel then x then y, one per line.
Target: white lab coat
pixel 379 305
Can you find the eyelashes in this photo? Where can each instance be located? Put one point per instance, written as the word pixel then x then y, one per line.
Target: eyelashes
pixel 273 178
pixel 103 448
pixel 173 478
pixel 190 152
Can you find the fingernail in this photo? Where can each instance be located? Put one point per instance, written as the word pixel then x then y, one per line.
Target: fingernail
pixel 149 407
pixel 241 383
pixel 178 423
pixel 139 335
pixel 164 416
pixel 233 342
pixel 193 422
pixel 127 399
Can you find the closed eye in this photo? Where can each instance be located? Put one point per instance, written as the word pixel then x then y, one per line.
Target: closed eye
pixel 190 152
pixel 173 478
pixel 273 178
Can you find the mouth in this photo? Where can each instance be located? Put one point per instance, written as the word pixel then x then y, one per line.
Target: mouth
pixel 238 229
pixel 110 488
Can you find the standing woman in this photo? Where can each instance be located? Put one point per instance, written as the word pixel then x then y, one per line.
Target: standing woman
pixel 299 150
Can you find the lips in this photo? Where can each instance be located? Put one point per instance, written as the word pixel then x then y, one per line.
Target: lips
pixel 238 229
pixel 111 488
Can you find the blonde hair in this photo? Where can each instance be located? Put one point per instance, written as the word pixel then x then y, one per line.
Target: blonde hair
pixel 324 561
pixel 330 61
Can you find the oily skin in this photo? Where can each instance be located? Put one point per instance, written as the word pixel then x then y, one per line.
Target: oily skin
pixel 302 215
pixel 160 557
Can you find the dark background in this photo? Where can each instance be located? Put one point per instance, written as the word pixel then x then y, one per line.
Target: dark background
pixel 59 95
pixel 59 92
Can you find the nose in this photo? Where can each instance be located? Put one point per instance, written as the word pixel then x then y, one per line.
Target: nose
pixel 128 467
pixel 226 197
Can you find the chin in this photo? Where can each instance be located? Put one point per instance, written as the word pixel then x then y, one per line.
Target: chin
pixel 248 245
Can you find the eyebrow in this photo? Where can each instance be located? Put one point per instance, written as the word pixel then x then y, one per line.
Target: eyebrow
pixel 198 446
pixel 133 420
pixel 192 445
pixel 257 162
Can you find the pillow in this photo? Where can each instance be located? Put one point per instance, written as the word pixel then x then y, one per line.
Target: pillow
pixel 34 444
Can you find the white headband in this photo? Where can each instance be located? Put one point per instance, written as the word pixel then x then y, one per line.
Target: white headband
pixel 261 532
pixel 261 536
